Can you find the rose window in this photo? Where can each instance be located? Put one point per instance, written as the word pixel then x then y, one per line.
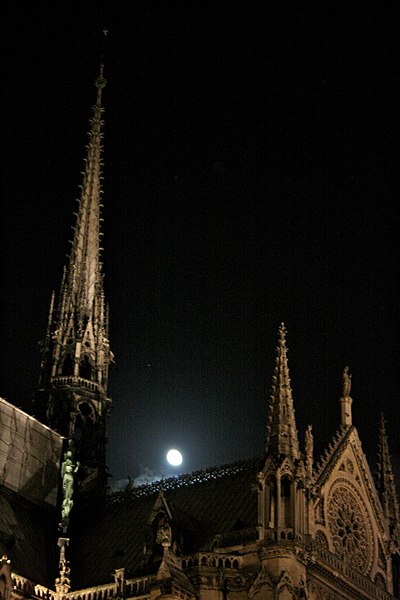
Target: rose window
pixel 348 528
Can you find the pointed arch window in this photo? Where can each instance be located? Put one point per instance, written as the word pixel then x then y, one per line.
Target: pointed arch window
pixel 68 365
pixel 286 495
pixel 85 368
pixel 271 502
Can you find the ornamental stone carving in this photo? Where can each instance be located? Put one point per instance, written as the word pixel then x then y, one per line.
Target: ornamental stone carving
pixel 349 529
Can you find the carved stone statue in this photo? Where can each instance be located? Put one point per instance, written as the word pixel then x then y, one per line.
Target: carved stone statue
pixel 346 382
pixel 68 470
pixel 164 535
pixel 309 442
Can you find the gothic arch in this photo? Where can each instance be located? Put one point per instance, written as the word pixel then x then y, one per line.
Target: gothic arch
pixel 380 581
pixel 287 468
pixel 321 538
pixel 270 485
pixel 6 584
pixel 286 501
pixel 313 591
pixel 86 367
pixel 284 588
pixel 68 365
pixel 262 588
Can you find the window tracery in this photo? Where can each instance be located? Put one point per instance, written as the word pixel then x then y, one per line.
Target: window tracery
pixel 321 538
pixel 348 527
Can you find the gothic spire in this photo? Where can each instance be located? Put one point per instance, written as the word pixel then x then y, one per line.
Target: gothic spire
pixel 72 395
pixel 84 267
pixel 281 429
pixel 387 487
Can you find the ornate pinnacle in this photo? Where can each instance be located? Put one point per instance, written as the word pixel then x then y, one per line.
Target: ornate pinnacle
pixel 387 487
pixel 282 334
pixel 63 582
pixel 281 429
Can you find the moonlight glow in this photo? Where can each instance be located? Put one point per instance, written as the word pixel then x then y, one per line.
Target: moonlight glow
pixel 174 457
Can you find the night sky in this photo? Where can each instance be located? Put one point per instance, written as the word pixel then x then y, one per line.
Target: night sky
pixel 251 177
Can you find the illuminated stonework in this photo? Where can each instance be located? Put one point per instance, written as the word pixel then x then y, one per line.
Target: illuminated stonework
pixel 349 528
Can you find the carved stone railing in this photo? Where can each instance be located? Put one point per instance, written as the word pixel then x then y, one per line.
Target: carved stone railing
pixel 70 380
pixel 28 588
pixel 341 568
pixel 235 538
pixel 99 592
pixel 212 560
pixel 138 587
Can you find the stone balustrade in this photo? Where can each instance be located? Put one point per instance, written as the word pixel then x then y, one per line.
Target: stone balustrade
pixel 212 560
pixel 70 380
pixel 347 572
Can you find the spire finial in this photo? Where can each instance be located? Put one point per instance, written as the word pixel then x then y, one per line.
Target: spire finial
pixel 281 430
pixel 282 334
pixel 100 80
pixel 100 84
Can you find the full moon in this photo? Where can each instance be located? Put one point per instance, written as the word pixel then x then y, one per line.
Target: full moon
pixel 174 457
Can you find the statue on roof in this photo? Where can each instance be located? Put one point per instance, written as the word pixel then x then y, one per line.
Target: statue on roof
pixel 68 469
pixel 309 442
pixel 346 383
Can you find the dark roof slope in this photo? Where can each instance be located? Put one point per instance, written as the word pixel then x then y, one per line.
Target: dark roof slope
pixel 28 537
pixel 203 504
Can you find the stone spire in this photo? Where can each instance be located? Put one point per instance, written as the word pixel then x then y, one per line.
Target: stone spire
pixel 72 395
pixel 281 430
pixel 84 282
pixel 387 488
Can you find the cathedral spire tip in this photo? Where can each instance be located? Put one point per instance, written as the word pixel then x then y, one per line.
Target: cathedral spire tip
pixel 100 80
pixel 281 430
pixel 282 332
pixel 100 83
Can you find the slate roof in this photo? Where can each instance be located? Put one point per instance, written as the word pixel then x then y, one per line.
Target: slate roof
pixel 28 536
pixel 204 504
